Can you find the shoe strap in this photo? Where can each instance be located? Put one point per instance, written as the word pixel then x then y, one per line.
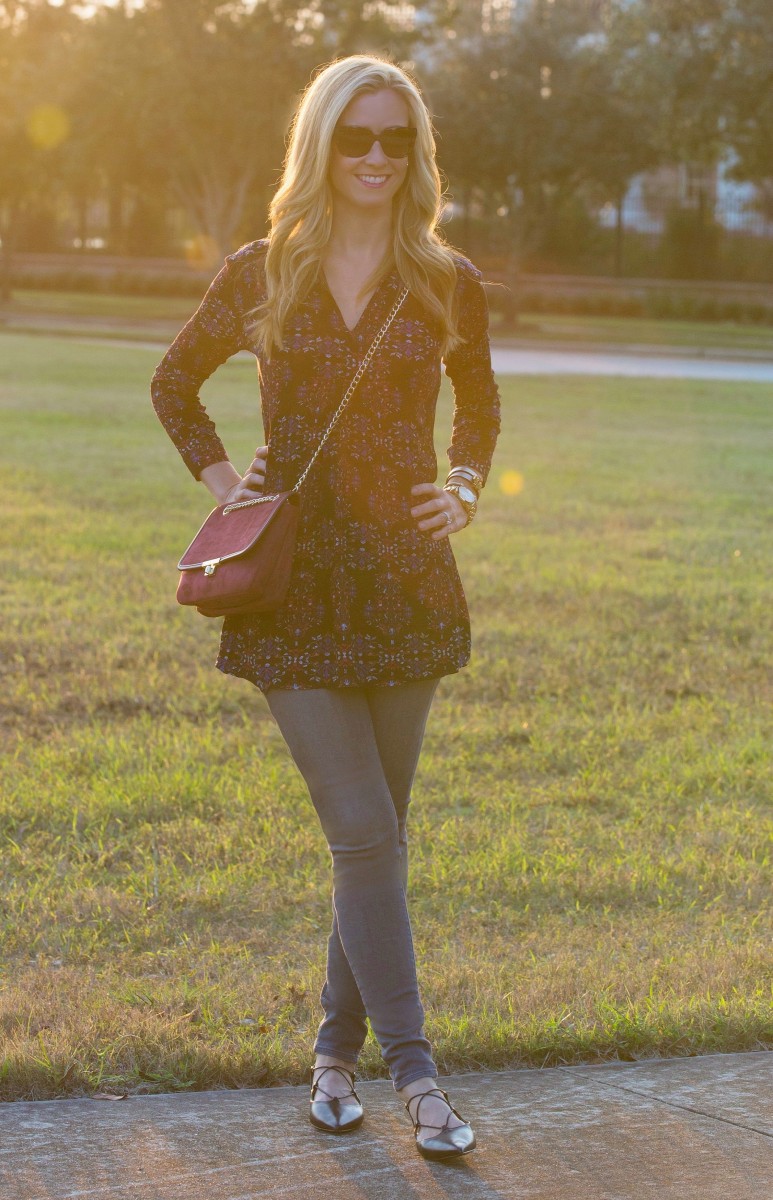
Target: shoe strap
pixel 420 1096
pixel 348 1075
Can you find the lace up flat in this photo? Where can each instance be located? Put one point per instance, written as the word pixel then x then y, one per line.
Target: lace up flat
pixel 448 1142
pixel 335 1114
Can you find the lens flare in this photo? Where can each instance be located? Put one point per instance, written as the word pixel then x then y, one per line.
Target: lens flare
pixel 511 483
pixel 48 126
pixel 202 251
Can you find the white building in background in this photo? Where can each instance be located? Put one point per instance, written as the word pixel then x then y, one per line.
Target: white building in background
pixel 734 205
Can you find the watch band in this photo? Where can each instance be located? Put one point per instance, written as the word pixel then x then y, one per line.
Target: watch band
pixel 469 506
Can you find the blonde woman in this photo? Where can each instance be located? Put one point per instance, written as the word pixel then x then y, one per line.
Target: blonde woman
pixel 375 614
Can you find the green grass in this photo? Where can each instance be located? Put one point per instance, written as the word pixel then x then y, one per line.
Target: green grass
pixel 591 820
pixel 144 316
pixel 99 304
pixel 643 331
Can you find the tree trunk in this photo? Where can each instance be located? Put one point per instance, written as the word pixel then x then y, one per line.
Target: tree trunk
pixel 467 226
pixel 115 215
pixel 216 206
pixel 512 260
pixel 510 315
pixel 8 233
pixel 82 204
pixel 619 232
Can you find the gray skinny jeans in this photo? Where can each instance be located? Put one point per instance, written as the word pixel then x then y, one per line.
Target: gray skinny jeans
pixel 357 750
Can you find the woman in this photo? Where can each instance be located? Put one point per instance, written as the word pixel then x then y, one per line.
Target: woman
pixel 375 614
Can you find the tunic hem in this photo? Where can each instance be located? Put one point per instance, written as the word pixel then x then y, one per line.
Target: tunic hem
pixel 371 681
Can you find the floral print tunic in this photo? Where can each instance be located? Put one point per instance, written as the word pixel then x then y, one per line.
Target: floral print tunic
pixel 372 599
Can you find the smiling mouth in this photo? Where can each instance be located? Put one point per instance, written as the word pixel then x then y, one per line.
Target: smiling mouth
pixel 373 180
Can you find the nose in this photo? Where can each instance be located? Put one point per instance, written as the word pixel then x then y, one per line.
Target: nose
pixel 375 155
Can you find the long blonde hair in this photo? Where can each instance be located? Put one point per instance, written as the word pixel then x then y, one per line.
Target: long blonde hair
pixel 301 209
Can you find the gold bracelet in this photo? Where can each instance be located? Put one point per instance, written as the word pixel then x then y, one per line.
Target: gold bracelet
pixel 472 480
pixel 470 506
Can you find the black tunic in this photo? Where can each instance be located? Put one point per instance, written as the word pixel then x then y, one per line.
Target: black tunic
pixel 372 598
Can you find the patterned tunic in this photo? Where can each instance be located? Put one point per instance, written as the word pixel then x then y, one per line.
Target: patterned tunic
pixel 373 599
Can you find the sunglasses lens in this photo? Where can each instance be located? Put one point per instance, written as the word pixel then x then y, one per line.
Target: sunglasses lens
pixel 354 142
pixel 398 143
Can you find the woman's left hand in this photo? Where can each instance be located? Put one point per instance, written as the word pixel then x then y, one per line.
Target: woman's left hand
pixel 442 512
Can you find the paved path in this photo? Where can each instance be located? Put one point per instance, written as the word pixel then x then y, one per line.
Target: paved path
pixel 527 359
pixel 509 361
pixel 512 361
pixel 662 1129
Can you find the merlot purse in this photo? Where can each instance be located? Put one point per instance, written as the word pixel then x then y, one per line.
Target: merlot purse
pixel 240 561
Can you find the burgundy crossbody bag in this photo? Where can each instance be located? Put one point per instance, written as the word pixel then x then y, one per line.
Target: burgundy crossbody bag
pixel 241 559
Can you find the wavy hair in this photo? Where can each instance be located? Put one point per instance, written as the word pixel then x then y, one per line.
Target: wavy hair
pixel 301 210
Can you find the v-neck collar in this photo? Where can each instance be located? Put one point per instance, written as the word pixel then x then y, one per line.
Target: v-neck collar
pixel 384 290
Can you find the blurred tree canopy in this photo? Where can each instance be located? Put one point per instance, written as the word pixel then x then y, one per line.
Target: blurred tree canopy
pixel 184 105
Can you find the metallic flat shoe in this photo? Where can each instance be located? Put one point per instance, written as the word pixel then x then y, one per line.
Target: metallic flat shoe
pixel 336 1114
pixel 448 1142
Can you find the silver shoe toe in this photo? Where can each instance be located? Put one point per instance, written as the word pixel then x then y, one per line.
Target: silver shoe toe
pixel 447 1143
pixel 336 1114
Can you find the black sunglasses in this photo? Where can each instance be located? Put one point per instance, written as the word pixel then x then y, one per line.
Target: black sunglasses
pixel 355 141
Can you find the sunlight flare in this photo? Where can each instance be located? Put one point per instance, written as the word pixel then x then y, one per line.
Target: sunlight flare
pixel 48 126
pixel 511 483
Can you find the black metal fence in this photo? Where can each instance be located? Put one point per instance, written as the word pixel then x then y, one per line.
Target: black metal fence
pixel 724 241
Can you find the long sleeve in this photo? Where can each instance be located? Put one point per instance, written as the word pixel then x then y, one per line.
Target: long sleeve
pixel 477 416
pixel 211 336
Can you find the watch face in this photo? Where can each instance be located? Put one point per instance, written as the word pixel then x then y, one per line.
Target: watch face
pixel 467 494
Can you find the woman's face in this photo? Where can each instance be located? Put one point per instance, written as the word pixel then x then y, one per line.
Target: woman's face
pixel 370 182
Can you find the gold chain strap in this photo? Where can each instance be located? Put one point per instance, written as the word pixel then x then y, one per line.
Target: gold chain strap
pixel 345 400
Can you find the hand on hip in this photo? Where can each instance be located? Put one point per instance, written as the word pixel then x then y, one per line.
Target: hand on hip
pixel 440 513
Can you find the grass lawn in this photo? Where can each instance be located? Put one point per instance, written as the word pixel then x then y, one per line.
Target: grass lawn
pixel 138 316
pixel 591 821
pixel 644 331
pixel 126 309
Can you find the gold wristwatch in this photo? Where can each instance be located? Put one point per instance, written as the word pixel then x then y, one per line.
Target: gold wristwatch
pixel 465 495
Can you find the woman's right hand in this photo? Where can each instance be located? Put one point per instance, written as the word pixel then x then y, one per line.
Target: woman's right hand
pixel 251 481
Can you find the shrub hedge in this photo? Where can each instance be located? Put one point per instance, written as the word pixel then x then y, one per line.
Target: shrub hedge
pixel 665 303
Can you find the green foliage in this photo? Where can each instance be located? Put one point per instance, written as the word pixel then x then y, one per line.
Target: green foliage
pixel 126 282
pixel 659 304
pixel 745 84
pixel 180 110
pixel 537 114
pixel 691 243
pixel 590 827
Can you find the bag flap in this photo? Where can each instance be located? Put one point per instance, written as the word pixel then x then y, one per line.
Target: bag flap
pixel 226 535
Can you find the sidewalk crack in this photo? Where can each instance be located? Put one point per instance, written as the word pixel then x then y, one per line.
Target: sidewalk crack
pixel 688 1108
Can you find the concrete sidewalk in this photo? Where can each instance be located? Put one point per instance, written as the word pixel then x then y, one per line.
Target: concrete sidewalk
pixel 591 361
pixel 676 1129
pixel 588 361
